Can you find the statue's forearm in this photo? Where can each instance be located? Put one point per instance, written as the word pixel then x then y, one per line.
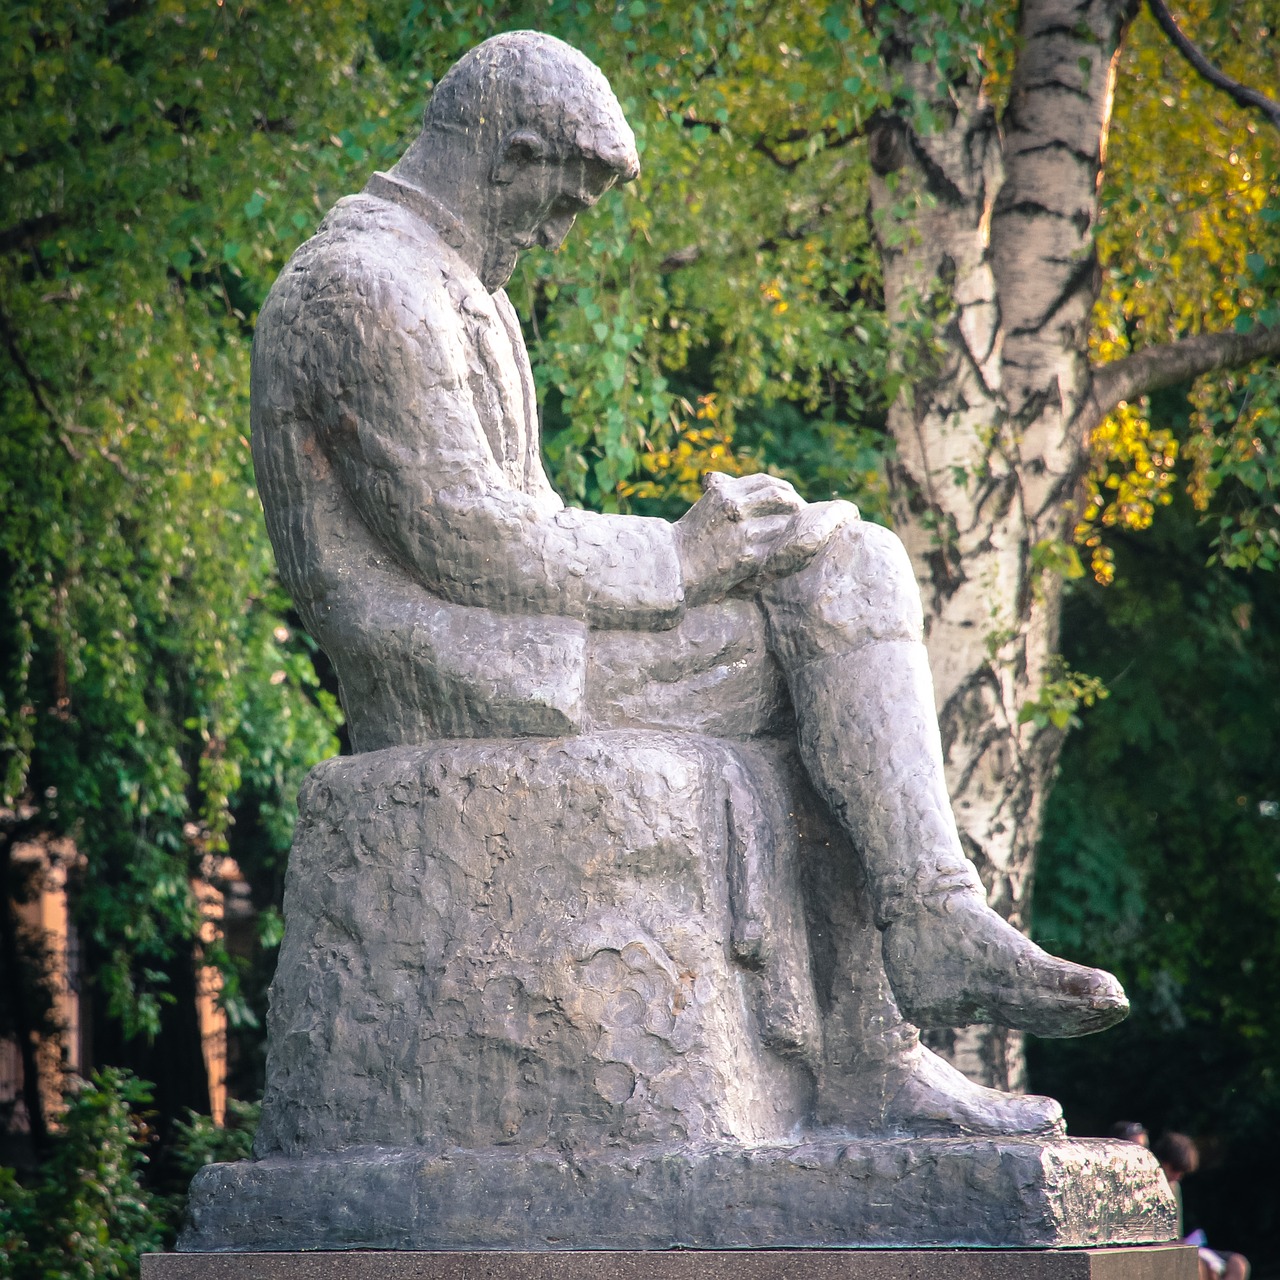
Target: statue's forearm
pixel 499 551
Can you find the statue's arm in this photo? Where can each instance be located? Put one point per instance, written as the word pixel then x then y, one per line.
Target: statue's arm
pixel 401 426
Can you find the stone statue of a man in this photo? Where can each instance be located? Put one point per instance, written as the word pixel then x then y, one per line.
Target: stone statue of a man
pixel 396 438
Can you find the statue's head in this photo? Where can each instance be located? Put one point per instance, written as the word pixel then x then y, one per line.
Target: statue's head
pixel 541 136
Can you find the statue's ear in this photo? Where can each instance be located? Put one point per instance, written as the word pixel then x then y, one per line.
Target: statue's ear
pixel 519 148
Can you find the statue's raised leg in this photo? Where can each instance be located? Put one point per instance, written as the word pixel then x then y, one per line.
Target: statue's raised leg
pixel 848 632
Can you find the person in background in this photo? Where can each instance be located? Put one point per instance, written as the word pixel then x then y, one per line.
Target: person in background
pixel 1179 1158
pixel 1131 1131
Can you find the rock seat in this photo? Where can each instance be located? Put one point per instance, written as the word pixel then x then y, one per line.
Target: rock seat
pixel 580 942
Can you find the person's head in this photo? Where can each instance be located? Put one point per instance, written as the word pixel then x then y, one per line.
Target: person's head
pixel 1131 1131
pixel 520 135
pixel 1178 1156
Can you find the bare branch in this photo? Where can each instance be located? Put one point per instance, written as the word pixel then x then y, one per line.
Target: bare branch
pixel 832 140
pixel 1241 94
pixel 1171 363
pixel 691 253
pixel 766 150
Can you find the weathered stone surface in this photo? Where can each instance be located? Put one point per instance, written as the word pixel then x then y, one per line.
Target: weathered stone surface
pixel 537 993
pixel 568 942
pixel 624 937
pixel 1013 1192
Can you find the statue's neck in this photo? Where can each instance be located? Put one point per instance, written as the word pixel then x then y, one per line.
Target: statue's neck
pixel 442 192
pixel 442 220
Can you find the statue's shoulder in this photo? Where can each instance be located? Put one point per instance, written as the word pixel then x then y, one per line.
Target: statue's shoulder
pixel 368 255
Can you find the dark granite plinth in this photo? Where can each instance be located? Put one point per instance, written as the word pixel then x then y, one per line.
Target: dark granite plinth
pixel 1146 1262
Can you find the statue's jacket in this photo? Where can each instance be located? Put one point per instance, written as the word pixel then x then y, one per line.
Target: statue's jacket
pixel 397 449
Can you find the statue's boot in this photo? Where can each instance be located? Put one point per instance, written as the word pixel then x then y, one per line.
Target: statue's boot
pixel 875 1076
pixel 848 631
pixel 936 1100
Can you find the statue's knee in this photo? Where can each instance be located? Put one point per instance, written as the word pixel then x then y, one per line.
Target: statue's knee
pixel 859 589
pixel 883 584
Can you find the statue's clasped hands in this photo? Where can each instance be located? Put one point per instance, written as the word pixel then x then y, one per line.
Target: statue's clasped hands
pixel 747 530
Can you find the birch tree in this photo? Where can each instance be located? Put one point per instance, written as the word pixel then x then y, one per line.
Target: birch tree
pixel 999 209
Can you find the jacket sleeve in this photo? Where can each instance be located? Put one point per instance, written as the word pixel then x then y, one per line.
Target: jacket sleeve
pixel 397 417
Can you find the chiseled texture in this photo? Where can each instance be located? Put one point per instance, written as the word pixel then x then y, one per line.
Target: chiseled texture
pixel 587 942
pixel 827 1193
pixel 522 944
pixel 397 450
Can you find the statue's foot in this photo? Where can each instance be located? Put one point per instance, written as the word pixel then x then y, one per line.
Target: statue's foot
pixel 955 961
pixel 936 1101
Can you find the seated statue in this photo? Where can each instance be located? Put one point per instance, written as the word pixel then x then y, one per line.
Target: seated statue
pixel 396 440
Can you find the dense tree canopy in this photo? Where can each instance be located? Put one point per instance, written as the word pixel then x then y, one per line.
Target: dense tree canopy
pixel 813 274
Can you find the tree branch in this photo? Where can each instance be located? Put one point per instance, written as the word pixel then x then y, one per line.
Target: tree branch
pixel 62 429
pixel 767 147
pixel 1241 94
pixel 36 387
pixel 1171 363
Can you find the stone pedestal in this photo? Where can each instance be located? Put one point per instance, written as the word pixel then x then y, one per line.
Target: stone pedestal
pixel 622 991
pixel 991 1192
pixel 1149 1262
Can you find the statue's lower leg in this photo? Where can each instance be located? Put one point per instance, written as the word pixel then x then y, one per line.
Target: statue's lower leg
pixel 847 630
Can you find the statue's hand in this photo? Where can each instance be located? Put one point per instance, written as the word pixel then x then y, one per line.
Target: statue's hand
pixel 730 533
pixel 807 532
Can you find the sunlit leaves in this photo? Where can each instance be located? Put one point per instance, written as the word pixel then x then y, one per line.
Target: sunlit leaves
pixel 1234 450
pixel 1190 243
pixel 156 161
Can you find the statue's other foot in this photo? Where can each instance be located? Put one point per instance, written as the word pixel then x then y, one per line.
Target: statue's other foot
pixel 936 1100
pixel 954 961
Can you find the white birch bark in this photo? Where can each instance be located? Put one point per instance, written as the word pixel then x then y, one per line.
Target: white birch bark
pixel 999 216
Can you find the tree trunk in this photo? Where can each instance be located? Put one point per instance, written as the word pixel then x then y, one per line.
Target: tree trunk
pixel 986 232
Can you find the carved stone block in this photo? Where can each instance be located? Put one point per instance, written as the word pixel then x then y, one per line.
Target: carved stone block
pixel 599 988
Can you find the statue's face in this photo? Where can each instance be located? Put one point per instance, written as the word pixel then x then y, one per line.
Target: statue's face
pixel 536 203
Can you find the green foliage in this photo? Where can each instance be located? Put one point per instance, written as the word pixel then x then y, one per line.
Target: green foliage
pixel 1062 693
pixel 1161 861
pixel 1190 243
pixel 196 1142
pixel 92 1211
pixel 1235 446
pixel 89 1215
pixel 158 163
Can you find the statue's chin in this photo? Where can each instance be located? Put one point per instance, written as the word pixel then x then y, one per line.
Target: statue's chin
pixel 498 267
